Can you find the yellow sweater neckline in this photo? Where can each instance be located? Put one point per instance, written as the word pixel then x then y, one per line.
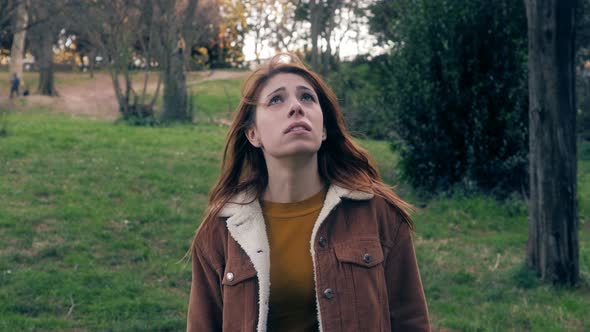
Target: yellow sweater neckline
pixel 295 209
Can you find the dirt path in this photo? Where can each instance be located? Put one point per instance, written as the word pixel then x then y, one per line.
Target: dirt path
pixel 95 98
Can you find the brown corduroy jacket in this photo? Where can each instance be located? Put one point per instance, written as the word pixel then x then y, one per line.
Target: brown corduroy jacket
pixel 365 270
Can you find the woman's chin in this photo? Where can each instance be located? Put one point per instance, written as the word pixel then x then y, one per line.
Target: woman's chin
pixel 298 151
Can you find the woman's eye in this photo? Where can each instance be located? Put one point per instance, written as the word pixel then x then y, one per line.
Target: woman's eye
pixel 274 100
pixel 307 97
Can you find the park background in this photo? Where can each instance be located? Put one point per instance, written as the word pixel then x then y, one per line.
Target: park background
pixel 106 166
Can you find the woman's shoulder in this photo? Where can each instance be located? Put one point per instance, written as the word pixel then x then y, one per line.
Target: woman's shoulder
pixel 214 231
pixel 392 218
pixel 385 208
pixel 214 228
pixel 211 236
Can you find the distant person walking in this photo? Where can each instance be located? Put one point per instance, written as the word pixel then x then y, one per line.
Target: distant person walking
pixel 14 84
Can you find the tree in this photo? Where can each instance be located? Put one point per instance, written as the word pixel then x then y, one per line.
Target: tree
pixel 152 34
pixel 281 24
pixel 314 19
pixel 124 31
pixel 43 31
pixel 552 249
pixel 18 42
pixel 313 27
pixel 582 71
pixel 8 9
pixel 454 87
pixel 258 21
pixel 330 22
pixel 231 25
pixel 177 29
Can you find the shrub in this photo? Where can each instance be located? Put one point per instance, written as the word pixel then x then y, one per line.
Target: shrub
pixel 456 80
pixel 357 86
pixel 3 122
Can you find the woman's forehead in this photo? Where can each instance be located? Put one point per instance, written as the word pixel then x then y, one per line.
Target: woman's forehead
pixel 286 80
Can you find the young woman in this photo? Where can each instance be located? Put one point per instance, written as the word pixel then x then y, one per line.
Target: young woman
pixel 300 233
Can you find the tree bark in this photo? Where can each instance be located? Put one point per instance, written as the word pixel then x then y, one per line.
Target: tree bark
pixel 175 93
pixel 180 36
pixel 46 74
pixel 314 15
pixel 552 249
pixel 329 27
pixel 91 57
pixel 17 51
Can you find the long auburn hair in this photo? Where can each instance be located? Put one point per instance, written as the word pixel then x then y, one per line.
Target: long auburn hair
pixel 340 160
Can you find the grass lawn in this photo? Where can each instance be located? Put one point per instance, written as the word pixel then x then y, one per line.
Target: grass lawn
pixel 96 217
pixel 215 99
pixel 211 100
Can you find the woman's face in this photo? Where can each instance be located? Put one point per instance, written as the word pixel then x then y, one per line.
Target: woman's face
pixel 289 119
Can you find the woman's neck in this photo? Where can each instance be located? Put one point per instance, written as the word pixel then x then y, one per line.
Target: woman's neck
pixel 292 180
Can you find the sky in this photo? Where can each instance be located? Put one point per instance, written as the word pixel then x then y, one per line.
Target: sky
pixel 350 47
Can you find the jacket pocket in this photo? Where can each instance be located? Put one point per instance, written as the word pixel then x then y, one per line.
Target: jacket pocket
pixel 240 297
pixel 236 273
pixel 365 253
pixel 361 263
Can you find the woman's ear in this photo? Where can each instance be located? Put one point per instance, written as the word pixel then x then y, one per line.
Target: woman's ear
pixel 252 136
pixel 324 134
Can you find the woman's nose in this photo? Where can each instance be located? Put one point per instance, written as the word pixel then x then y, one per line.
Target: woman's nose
pixel 296 109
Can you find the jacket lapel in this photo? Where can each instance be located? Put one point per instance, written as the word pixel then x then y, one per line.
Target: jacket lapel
pixel 333 198
pixel 246 226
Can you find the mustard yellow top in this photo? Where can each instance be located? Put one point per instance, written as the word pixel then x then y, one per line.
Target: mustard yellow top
pixel 292 304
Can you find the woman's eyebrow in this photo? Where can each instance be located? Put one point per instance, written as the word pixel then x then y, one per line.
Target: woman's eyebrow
pixel 300 87
pixel 279 89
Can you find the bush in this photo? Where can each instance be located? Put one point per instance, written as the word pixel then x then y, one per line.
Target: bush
pixel 583 101
pixel 356 85
pixel 524 277
pixel 456 80
pixel 3 122
pixel 140 115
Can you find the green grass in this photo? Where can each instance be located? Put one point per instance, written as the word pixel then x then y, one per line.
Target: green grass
pixel 95 217
pixel 212 100
pixel 100 215
pixel 471 252
pixel 215 99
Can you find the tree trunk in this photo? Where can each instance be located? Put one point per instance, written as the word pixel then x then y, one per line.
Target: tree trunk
pixel 121 99
pixel 175 94
pixel 46 75
pixel 220 55
pixel 257 45
pixel 328 30
pixel 327 62
pixel 180 37
pixel 91 57
pixel 552 249
pixel 81 56
pixel 314 13
pixel 17 51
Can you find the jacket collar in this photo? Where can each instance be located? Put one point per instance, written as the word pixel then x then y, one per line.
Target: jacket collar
pixel 246 225
pixel 246 201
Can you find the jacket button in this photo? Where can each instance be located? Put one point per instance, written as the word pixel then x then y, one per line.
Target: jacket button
pixel 329 293
pixel 230 276
pixel 323 242
pixel 367 258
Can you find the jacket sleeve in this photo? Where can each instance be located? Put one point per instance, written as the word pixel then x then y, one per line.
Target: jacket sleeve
pixel 407 304
pixel 205 303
